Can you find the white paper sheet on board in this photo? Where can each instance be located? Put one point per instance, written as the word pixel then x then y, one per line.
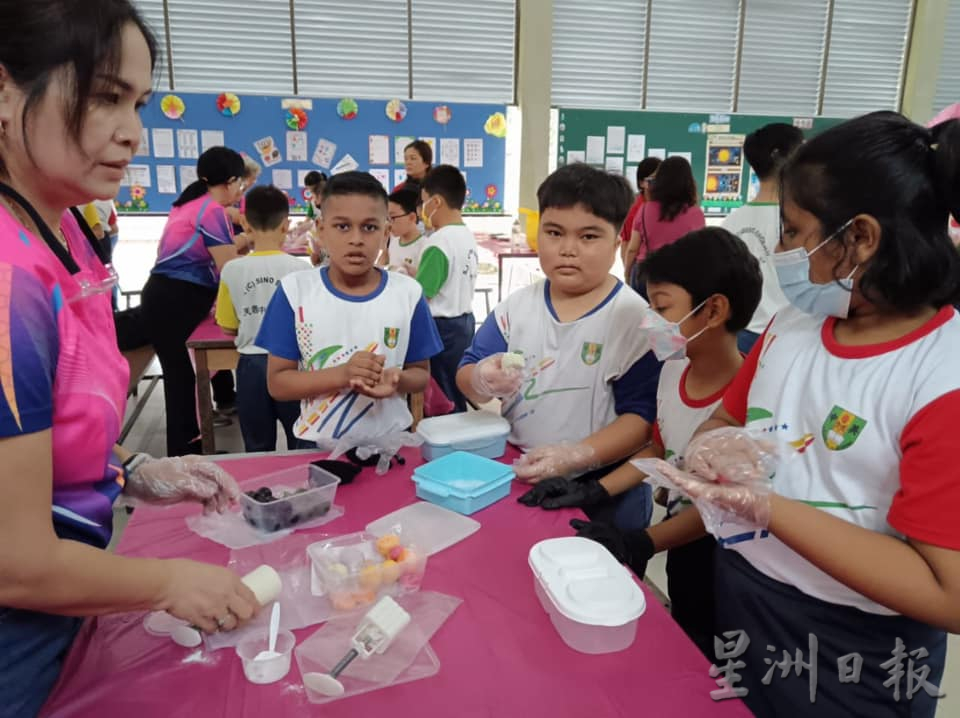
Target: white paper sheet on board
pixel 616 136
pixel 659 152
pixel 346 164
pixel 595 147
pixel 163 143
pixel 398 144
pixel 143 149
pixel 188 142
pixel 574 156
pixel 283 179
pixel 136 175
pixel 211 138
pixel 382 176
pixel 188 175
pixel 614 164
pixel 450 151
pixel 166 179
pixel 379 149
pixel 323 155
pixel 688 156
pixel 399 177
pixel 297 150
pixel 473 152
pixel 636 148
pixel 302 177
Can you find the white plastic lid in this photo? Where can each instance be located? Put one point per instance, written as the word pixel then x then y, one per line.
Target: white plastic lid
pixel 465 426
pixel 585 582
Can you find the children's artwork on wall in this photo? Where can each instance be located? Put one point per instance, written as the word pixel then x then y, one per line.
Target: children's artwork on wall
pixel 347 108
pixel 173 107
pixel 296 118
pixel 496 125
pixel 396 110
pixel 228 104
pixel 442 114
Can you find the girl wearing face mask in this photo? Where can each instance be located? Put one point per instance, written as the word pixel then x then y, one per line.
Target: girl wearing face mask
pixel 854 547
pixel 697 308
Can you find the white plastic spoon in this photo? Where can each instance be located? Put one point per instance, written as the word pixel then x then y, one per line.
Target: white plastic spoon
pixel 271 652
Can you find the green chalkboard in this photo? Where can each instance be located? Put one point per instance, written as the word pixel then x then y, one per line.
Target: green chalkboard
pixel 723 184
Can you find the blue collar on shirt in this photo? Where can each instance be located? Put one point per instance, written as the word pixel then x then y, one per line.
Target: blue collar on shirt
pixel 325 276
pixel 601 305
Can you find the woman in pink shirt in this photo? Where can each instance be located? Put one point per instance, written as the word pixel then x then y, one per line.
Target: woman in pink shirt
pixel 671 212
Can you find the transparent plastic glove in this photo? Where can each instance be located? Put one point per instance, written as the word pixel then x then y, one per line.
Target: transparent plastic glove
pixel 749 502
pixel 561 460
pixel 385 446
pixel 181 478
pixel 491 378
pixel 731 455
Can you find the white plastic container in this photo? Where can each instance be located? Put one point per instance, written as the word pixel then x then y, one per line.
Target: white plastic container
pixel 479 432
pixel 592 600
pixel 272 669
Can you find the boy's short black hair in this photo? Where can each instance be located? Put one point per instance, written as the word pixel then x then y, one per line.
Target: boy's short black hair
pixel 446 181
pixel 769 147
pixel 706 262
pixel 408 199
pixel 361 183
pixel 266 208
pixel 314 178
pixel 606 195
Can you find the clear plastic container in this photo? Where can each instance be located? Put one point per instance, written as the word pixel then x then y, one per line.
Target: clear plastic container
pixel 592 600
pixel 463 482
pixel 272 669
pixel 355 570
pixel 305 493
pixel 479 432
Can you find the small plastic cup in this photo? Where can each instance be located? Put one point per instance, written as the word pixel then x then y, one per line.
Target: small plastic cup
pixel 271 670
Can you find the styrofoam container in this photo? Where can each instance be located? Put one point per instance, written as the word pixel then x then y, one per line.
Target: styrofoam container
pixel 317 489
pixel 479 432
pixel 592 600
pixel 463 482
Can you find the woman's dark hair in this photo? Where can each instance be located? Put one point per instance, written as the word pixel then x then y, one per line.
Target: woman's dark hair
pixel 218 165
pixel 84 39
pixel 724 265
pixel 674 188
pixel 646 168
pixel 423 149
pixel 769 147
pixel 906 177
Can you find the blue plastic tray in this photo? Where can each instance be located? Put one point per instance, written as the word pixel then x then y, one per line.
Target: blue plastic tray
pixel 463 482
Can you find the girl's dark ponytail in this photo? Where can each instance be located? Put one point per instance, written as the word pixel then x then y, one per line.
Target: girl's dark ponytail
pixel 946 148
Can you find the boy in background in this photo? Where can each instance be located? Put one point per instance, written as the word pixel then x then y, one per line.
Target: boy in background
pixel 448 273
pixel 406 240
pixel 586 399
pixel 757 222
pixel 246 286
pixel 349 340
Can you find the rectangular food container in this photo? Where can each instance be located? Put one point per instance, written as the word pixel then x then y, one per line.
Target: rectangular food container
pixel 479 432
pixel 463 482
pixel 306 493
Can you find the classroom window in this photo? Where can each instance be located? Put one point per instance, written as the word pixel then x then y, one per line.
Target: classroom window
pixel 692 55
pixel 463 50
pixel 598 54
pixel 242 46
pixel 868 43
pixel 152 12
pixel 948 81
pixel 782 57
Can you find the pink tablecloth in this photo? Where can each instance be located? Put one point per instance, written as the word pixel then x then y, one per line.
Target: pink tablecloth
pixel 499 654
pixel 209 331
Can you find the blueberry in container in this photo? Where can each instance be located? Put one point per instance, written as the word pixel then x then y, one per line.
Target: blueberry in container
pixel 289 498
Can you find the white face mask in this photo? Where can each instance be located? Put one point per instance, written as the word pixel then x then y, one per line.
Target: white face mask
pixel 665 337
pixel 819 300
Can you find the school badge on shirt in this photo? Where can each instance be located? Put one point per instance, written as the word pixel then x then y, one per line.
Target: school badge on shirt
pixel 390 336
pixel 590 353
pixel 841 429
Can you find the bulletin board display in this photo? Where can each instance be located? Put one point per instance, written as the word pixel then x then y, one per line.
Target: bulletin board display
pixel 289 137
pixel 713 144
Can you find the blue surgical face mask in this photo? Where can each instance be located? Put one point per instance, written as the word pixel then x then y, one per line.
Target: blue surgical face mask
pixel 793 271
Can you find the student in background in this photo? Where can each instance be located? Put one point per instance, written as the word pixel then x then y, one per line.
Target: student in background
pixel 197 240
pixel 707 301
pixel 586 398
pixel 246 286
pixel 671 212
pixel 315 182
pixel 406 240
pixel 417 161
pixel 351 339
pixel 758 221
pixel 251 173
pixel 448 274
pixel 645 170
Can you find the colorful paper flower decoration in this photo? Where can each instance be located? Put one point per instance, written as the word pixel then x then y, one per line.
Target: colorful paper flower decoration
pixel 296 118
pixel 228 104
pixel 137 192
pixel 491 191
pixel 442 114
pixel 396 110
pixel 172 107
pixel 347 108
pixel 496 125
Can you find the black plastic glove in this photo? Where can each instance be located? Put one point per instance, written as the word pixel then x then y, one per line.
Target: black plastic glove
pixel 560 493
pixel 634 548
